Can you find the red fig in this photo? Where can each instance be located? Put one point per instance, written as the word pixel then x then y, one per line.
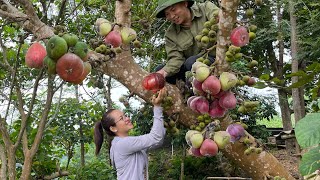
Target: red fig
pixel 228 100
pixel 35 55
pixel 196 152
pixel 211 85
pixel 113 38
pixel 251 81
pixel 200 104
pixel 190 99
pixel 236 131
pixel 197 85
pixel 208 148
pixel 239 36
pixel 215 110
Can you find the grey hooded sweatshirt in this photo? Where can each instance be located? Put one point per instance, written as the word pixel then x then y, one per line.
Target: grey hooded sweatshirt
pixel 129 154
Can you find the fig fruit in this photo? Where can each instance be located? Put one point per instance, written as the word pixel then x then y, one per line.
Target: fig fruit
pixel 35 55
pixel 239 36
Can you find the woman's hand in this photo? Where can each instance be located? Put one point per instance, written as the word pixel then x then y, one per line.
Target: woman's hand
pixel 157 98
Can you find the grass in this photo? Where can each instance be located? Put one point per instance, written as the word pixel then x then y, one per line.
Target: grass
pixel 276 122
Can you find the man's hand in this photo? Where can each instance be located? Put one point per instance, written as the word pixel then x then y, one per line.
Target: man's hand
pixel 157 98
pixel 163 72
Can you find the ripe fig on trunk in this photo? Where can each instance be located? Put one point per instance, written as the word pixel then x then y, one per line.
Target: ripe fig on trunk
pixel 200 104
pixel 196 152
pixel 69 67
pixel 211 85
pixel 153 82
pixel 215 110
pixel 209 148
pixel 251 81
pixel 239 36
pixel 236 131
pixel 113 39
pixel 86 71
pixel 35 55
pixel 228 100
pixel 198 86
pixel 190 99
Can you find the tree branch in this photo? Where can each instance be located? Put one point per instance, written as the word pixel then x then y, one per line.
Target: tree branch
pixel 12 14
pixel 57 174
pixel 43 119
pixel 29 21
pixel 5 134
pixel 56 111
pixel 26 117
pixel 62 8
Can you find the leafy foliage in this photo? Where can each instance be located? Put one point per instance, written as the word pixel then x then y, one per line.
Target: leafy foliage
pixel 308 137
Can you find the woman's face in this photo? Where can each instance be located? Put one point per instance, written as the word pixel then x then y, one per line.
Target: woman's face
pixel 122 122
pixel 178 13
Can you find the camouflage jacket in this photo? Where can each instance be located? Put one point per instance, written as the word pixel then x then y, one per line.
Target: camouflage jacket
pixel 180 42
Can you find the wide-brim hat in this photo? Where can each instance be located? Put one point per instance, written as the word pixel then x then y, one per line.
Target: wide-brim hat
pixel 163 4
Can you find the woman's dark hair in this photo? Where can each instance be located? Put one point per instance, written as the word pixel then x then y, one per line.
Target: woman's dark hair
pixel 106 122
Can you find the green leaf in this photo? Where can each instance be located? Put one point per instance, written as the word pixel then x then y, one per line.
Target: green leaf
pixel 302 81
pixel 310 161
pixel 260 85
pixel 307 130
pixel 264 77
pixel 298 73
pixel 314 66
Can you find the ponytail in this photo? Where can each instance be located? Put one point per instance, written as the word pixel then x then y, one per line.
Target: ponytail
pixel 98 136
pixel 105 123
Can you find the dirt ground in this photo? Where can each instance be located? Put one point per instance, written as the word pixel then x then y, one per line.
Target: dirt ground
pixel 290 162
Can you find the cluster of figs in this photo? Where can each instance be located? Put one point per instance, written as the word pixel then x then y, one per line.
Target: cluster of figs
pixel 113 37
pixel 203 145
pixel 63 54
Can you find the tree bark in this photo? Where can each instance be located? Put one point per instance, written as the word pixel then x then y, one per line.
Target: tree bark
pixel 297 93
pixel 282 94
pixel 11 163
pixel 126 71
pixel 3 159
pixel 30 153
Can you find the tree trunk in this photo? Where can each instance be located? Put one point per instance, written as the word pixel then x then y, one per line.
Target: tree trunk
pixel 286 119
pixel 3 159
pixel 282 94
pixel 27 166
pixel 124 69
pixel 297 93
pixel 11 165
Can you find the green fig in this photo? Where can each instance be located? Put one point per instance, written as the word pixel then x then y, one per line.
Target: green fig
pixel 105 28
pixel 71 39
pixel 56 47
pixel 222 138
pixel 128 35
pixel 227 80
pixel 81 49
